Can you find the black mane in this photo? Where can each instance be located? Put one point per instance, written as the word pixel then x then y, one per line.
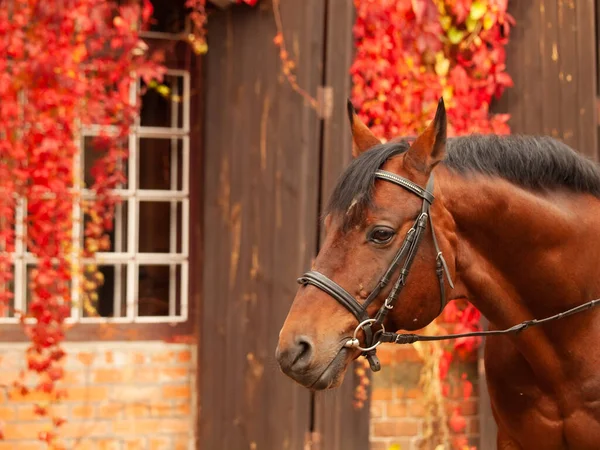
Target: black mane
pixel 534 163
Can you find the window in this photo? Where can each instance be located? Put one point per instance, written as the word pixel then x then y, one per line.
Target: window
pixel 146 268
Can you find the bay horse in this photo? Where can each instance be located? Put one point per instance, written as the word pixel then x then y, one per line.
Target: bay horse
pixel 509 223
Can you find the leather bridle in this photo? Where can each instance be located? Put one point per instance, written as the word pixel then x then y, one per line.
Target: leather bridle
pixel 373 328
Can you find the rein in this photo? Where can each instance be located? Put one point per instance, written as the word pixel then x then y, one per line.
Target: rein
pixel 394 338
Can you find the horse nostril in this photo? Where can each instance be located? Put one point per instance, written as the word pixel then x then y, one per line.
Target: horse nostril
pixel 295 356
pixel 304 349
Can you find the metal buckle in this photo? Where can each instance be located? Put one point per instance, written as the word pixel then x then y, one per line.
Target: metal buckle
pixel 355 343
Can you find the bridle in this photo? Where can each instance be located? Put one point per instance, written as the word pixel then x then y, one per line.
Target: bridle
pixel 373 328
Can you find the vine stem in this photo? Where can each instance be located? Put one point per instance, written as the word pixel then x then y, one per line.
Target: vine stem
pixel 288 64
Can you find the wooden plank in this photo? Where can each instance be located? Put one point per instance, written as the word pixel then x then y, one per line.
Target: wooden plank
pixel 529 20
pixel 568 73
pixel 261 192
pixel 339 425
pixel 548 40
pixel 587 70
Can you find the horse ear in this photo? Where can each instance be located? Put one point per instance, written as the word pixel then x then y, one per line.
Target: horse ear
pixel 362 138
pixel 430 146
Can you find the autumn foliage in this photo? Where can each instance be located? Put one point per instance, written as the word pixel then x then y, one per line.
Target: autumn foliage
pixel 409 53
pixel 64 66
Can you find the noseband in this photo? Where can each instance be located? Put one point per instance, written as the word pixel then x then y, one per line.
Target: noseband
pixel 373 327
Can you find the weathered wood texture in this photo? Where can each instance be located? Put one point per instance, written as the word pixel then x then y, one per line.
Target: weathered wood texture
pixel 552 58
pixel 340 426
pixel 261 215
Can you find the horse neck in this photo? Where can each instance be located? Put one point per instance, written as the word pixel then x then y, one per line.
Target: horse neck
pixel 515 253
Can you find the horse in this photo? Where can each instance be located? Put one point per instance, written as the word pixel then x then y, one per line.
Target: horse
pixel 509 223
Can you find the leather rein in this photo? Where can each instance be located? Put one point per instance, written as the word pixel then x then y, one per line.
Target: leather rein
pixel 373 328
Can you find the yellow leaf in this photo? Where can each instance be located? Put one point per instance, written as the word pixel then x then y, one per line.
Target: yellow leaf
pixel 395 447
pixel 488 22
pixel 478 9
pixel 471 24
pixel 446 22
pixel 442 66
pixel 448 93
pixel 455 35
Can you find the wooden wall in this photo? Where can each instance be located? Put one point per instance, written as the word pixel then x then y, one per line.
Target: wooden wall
pixel 269 161
pixel 552 59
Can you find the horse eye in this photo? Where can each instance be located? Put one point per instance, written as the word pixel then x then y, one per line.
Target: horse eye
pixel 381 235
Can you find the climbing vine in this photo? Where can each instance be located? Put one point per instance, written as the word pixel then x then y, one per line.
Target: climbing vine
pixel 63 67
pixel 409 53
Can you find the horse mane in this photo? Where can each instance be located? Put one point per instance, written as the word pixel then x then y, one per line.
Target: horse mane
pixel 532 162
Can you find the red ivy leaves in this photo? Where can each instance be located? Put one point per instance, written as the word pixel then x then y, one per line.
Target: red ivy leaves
pixel 411 52
pixel 61 66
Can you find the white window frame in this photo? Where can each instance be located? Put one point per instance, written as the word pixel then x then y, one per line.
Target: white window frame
pixel 129 259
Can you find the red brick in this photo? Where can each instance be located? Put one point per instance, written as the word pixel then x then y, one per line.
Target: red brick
pixel 378 409
pixel 381 394
pixel 162 357
pixel 138 358
pixel 396 409
pixel 469 407
pixel 413 393
pixel 160 409
pixel 136 444
pixel 182 409
pixel 181 391
pixel 108 376
pixel 85 429
pixel 181 443
pixel 176 373
pixel 416 408
pixel 392 428
pixel 109 444
pixel 110 410
pixel 8 413
pixel 27 412
pixel 407 354
pixel 473 425
pixel 84 411
pixel 160 444
pixel 85 358
pixel 25 430
pixel 32 396
pixel 151 426
pixel 137 410
pixel 184 356
pixel 23 445
pixel 87 393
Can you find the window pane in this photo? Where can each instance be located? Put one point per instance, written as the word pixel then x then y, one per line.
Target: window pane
pixel 159 226
pixel 168 17
pixel 117 237
pixel 160 164
pixel 156 285
pixel 163 109
pixel 8 310
pixel 95 148
pixel 111 294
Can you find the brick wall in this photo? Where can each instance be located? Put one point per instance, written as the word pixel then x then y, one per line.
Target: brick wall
pixel 121 396
pixel 397 408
